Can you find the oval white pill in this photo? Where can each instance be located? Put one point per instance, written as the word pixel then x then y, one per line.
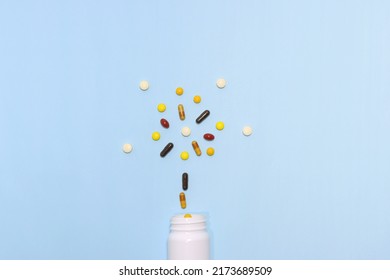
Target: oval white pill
pixel 144 85
pixel 127 148
pixel 247 130
pixel 186 131
pixel 221 83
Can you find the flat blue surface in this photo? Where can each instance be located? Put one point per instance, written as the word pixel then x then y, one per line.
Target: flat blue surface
pixel 311 77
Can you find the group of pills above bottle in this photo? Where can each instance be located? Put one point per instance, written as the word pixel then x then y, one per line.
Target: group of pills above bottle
pixel 186 132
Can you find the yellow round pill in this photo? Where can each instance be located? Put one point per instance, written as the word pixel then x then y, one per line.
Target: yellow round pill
pixel 179 91
pixel 156 136
pixel 184 155
pixel 197 99
pixel 187 216
pixel 220 125
pixel 210 151
pixel 161 107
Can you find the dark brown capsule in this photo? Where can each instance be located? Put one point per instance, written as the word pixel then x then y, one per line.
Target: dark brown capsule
pixel 184 180
pixel 166 149
pixel 203 116
pixel 164 123
pixel 208 137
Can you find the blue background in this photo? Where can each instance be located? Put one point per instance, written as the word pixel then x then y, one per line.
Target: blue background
pixel 311 77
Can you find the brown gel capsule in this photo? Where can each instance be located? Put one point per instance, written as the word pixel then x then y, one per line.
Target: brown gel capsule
pixel 196 148
pixel 183 202
pixel 182 115
pixel 184 180
pixel 202 116
pixel 166 149
pixel 208 137
pixel 164 123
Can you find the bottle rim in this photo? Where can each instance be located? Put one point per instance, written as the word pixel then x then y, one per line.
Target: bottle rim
pixel 195 219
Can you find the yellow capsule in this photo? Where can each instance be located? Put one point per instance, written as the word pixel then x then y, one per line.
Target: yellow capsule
pixel 183 202
pixel 182 115
pixel 210 151
pixel 156 136
pixel 161 107
pixel 184 155
pixel 196 148
pixel 220 125
pixel 179 91
pixel 197 99
pixel 187 216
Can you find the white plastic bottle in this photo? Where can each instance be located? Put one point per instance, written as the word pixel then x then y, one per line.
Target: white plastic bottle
pixel 188 239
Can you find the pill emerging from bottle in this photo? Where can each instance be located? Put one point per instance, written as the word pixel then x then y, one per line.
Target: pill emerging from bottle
pixel 182 115
pixel 203 116
pixel 196 148
pixel 166 149
pixel 184 179
pixel 187 216
pixel 164 123
pixel 183 202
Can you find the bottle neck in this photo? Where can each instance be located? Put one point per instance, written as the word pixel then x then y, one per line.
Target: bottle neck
pixel 189 227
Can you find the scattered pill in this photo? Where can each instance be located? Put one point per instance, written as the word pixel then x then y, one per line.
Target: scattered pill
pixel 203 116
pixel 187 216
pixel 127 148
pixel 196 148
pixel 166 149
pixel 247 130
pixel 221 83
pixel 210 151
pixel 197 99
pixel 164 123
pixel 208 137
pixel 184 155
pixel 220 125
pixel 182 115
pixel 183 202
pixel 161 107
pixel 156 136
pixel 144 85
pixel 179 91
pixel 184 179
pixel 186 131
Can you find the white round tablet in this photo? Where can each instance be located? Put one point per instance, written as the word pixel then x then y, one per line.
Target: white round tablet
pixel 221 83
pixel 186 131
pixel 247 130
pixel 144 85
pixel 127 148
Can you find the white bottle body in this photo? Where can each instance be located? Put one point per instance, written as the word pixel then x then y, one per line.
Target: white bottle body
pixel 188 239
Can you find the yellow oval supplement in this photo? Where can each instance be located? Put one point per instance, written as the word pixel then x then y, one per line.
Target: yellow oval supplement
pixel 182 115
pixel 187 216
pixel 210 151
pixel 156 136
pixel 161 107
pixel 184 155
pixel 220 125
pixel 183 202
pixel 196 148
pixel 179 91
pixel 197 99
